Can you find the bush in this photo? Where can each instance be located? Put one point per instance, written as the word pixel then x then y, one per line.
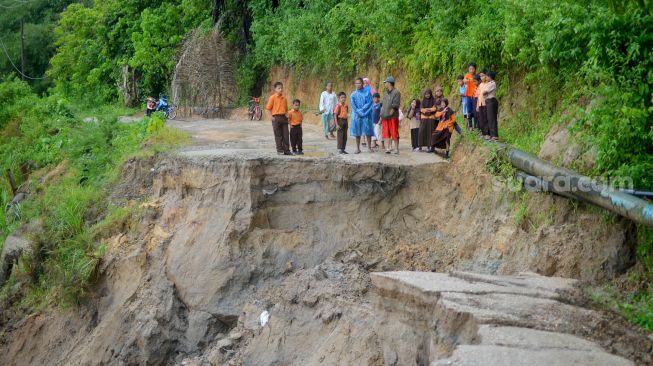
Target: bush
pixel 156 123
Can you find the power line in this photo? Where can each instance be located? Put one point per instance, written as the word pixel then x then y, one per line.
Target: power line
pixel 14 65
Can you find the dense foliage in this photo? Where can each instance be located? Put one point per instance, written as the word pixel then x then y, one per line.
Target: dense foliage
pixel 39 17
pixel 94 42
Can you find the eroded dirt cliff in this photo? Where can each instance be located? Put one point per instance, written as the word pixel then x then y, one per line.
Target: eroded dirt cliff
pixel 224 235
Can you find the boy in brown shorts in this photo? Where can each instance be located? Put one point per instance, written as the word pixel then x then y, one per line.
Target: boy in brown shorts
pixel 341 114
pixel 278 107
pixel 295 118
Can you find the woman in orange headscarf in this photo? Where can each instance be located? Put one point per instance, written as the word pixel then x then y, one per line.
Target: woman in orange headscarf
pixel 441 137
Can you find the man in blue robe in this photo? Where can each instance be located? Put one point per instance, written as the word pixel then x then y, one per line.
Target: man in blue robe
pixel 361 115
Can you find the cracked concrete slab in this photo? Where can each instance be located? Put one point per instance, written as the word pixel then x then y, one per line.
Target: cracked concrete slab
pixel 505 318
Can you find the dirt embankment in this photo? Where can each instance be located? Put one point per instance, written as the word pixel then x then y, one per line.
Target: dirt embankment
pixel 223 238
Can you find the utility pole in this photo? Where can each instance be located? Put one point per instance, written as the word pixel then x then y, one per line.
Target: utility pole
pixel 22 49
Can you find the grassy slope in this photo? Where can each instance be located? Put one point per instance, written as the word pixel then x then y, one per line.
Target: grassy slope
pixel 71 165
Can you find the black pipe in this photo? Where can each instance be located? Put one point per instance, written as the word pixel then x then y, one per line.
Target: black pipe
pixel 567 181
pixel 638 193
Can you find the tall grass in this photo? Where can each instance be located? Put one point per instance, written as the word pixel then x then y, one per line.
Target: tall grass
pixel 72 206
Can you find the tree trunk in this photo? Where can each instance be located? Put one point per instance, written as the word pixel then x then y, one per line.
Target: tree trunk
pixel 129 86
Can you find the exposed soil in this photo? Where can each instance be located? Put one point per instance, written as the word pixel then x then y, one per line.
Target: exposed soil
pixel 230 230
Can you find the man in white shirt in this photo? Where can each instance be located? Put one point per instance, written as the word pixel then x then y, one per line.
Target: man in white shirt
pixel 328 101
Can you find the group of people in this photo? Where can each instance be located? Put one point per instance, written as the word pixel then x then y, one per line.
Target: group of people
pixel 367 116
pixel 478 93
pixel 374 121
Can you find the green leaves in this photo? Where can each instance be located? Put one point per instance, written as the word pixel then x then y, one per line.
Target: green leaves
pixel 94 42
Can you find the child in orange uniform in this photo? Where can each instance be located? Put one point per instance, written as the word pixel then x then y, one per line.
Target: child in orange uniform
pixel 295 118
pixel 341 114
pixel 278 107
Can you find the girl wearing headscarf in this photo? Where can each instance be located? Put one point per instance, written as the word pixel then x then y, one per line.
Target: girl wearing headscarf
pixel 428 108
pixel 368 86
pixel 413 115
pixel 441 137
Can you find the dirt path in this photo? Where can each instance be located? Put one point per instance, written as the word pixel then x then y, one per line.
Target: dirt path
pixel 254 139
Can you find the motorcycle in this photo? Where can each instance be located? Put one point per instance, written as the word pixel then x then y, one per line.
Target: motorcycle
pixel 169 110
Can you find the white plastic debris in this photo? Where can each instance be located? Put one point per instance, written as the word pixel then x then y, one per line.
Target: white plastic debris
pixel 264 318
pixel 268 191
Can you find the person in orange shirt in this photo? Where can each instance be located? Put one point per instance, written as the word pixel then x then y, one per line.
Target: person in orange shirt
pixel 296 118
pixel 441 137
pixel 341 113
pixel 470 92
pixel 278 107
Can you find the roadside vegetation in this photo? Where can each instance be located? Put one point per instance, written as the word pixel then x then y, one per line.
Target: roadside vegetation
pixel 587 65
pixel 65 165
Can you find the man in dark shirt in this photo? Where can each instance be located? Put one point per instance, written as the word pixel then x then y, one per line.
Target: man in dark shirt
pixel 390 115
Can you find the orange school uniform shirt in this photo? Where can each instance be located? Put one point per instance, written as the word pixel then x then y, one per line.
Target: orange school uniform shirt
pixel 469 79
pixel 448 123
pixel 341 111
pixel 295 118
pixel 277 105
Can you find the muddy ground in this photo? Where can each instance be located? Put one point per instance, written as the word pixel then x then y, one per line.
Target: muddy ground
pixel 228 229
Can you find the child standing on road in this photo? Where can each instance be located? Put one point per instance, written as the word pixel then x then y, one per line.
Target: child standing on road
pixel 470 93
pixel 477 117
pixel 413 115
pixel 491 106
pixel 481 115
pixel 465 101
pixel 278 107
pixel 328 101
pixel 341 113
pixel 295 118
pixel 376 119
